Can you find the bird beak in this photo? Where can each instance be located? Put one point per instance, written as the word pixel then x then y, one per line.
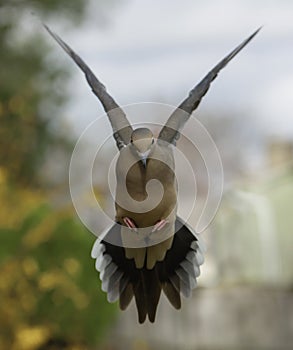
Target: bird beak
pixel 143 157
pixel 144 161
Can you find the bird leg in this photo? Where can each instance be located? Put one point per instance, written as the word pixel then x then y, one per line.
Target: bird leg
pixel 130 223
pixel 160 224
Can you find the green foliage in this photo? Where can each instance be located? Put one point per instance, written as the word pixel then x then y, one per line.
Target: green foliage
pixel 49 288
pixel 28 97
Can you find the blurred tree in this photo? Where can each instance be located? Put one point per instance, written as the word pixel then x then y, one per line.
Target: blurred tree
pixel 28 100
pixel 50 293
pixel 49 290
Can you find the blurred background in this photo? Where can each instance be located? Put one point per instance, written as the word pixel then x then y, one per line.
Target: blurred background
pixel 146 52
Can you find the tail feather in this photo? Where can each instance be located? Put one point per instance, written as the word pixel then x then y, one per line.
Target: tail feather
pixel 152 288
pixel 140 300
pixel 176 274
pixel 175 281
pixel 172 294
pixel 126 296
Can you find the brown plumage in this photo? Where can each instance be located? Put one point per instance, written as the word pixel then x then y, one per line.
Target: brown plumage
pixel 170 258
pixel 130 168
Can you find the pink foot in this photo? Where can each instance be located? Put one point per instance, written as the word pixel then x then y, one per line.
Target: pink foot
pixel 159 225
pixel 129 223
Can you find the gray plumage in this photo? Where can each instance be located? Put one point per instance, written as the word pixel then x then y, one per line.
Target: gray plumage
pixel 102 262
pixel 173 263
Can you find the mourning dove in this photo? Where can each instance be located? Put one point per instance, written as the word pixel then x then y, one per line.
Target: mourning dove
pixel 170 263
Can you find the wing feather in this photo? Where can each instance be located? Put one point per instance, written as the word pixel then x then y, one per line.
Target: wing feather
pixel 121 127
pixel 170 133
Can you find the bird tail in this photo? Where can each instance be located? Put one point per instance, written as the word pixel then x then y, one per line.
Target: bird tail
pixel 176 275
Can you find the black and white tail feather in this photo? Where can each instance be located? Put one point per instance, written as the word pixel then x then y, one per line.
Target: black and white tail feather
pixel 176 275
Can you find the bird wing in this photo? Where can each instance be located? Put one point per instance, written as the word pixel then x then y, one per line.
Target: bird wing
pixel 121 127
pixel 170 132
pixel 176 275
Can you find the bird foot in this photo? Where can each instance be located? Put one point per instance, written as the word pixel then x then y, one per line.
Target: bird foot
pixel 160 224
pixel 130 224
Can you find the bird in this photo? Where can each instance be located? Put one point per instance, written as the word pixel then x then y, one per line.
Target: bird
pixel 169 253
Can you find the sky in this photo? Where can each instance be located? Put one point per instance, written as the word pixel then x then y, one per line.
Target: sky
pixel 157 51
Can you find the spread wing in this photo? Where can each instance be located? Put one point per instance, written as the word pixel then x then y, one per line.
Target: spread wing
pixel 171 130
pixel 121 127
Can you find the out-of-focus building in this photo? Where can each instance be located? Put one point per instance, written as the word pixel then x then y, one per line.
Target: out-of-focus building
pixel 244 299
pixel 253 239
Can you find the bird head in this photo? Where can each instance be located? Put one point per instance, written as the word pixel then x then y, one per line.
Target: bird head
pixel 142 140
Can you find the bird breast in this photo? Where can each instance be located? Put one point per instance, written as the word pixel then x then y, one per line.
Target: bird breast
pixel 133 177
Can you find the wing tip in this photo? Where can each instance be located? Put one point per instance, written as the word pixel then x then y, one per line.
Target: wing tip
pixel 253 35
